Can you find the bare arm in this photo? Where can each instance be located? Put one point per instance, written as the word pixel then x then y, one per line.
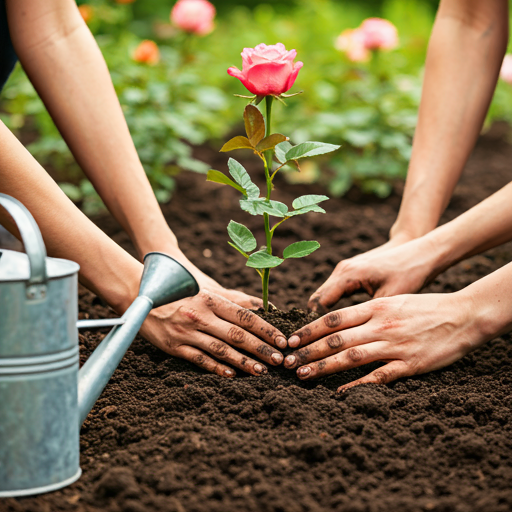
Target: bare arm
pixel 64 63
pixel 465 53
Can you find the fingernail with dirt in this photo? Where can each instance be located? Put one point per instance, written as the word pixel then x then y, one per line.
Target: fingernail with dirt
pixel 259 368
pixel 294 341
pixel 229 373
pixel 303 372
pixel 281 342
pixel 277 357
pixel 290 361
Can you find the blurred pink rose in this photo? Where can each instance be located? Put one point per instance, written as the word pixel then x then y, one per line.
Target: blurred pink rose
pixel 195 16
pixel 379 34
pixel 506 69
pixel 352 42
pixel 267 70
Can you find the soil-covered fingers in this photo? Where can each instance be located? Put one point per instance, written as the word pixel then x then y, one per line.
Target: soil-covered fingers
pixel 330 323
pixel 383 375
pixel 221 350
pixel 345 360
pixel 241 339
pixel 244 318
pixel 199 358
pixel 330 345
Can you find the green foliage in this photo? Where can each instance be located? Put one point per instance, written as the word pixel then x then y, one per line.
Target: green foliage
pixel 241 236
pixel 300 249
pixel 262 260
pixel 267 146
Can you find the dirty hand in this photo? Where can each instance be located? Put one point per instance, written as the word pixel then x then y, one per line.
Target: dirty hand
pixel 413 334
pixel 387 270
pixel 208 330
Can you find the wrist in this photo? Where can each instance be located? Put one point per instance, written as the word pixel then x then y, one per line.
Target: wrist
pixel 120 286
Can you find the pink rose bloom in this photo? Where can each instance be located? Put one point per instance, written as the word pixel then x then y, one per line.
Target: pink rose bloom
pixel 195 16
pixel 267 70
pixel 506 69
pixel 352 43
pixel 379 34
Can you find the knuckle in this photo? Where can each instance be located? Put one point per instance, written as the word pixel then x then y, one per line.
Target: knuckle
pixel 199 359
pixel 355 354
pixel 381 376
pixel 321 365
pixel 219 349
pixel 335 341
pixel 265 350
pixel 207 298
pixel 303 354
pixel 246 318
pixel 333 319
pixel 236 335
pixel 304 333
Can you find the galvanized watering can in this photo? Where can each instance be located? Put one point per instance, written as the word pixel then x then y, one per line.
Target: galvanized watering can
pixel 44 398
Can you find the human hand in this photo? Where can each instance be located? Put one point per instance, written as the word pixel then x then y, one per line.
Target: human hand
pixel 207 328
pixel 413 334
pixel 391 269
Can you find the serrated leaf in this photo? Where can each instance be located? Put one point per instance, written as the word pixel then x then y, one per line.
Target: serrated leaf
pixel 261 206
pixel 219 177
pixel 281 149
pixel 313 208
pixel 241 236
pixel 241 176
pixel 270 142
pixel 254 124
pixel 308 200
pixel 238 142
pixel 262 259
pixel 307 149
pixel 300 249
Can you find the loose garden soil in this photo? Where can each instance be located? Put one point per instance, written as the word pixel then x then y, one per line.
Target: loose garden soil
pixel 166 436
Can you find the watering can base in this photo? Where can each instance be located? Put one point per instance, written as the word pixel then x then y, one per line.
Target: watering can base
pixel 19 493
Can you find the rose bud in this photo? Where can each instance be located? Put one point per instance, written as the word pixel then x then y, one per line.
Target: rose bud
pixel 267 70
pixel 379 34
pixel 194 16
pixel 506 69
pixel 147 52
pixel 352 43
pixel 125 1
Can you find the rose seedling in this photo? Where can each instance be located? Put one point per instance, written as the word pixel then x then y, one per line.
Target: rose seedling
pixel 268 72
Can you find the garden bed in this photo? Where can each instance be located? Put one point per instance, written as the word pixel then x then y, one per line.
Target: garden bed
pixel 166 436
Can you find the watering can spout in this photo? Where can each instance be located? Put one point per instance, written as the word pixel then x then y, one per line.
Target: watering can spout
pixel 163 281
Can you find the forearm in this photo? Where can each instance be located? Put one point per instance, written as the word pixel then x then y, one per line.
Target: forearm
pixel 105 268
pixel 465 53
pixel 484 226
pixel 491 301
pixel 66 67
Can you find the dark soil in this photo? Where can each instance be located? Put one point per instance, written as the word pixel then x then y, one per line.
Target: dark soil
pixel 165 436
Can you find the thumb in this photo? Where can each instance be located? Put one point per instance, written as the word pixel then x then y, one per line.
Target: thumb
pixel 327 295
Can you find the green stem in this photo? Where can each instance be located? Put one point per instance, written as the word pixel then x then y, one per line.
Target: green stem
pixel 268 168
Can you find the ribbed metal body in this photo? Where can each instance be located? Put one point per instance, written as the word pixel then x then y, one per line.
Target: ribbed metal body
pixel 39 443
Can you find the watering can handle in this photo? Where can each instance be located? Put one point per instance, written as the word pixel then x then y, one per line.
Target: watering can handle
pixel 34 245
